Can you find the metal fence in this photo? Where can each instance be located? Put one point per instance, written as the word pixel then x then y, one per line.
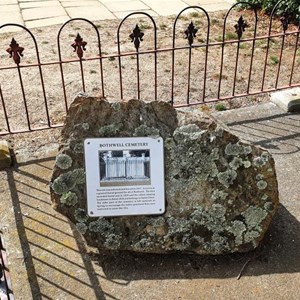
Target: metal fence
pixel 208 59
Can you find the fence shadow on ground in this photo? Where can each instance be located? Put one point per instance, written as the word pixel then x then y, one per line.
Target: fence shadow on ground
pixel 56 259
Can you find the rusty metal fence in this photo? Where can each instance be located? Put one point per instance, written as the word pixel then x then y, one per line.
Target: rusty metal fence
pixel 208 60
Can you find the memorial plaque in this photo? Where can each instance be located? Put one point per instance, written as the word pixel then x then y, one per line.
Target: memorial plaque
pixel 124 176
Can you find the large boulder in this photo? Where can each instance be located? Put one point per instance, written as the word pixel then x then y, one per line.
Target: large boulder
pixel 221 193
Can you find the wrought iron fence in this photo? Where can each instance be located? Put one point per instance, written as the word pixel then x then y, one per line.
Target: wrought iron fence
pixel 251 55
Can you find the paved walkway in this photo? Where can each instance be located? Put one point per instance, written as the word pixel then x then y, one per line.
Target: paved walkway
pixel 37 13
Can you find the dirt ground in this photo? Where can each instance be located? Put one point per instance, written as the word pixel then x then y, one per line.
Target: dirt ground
pixel 47 41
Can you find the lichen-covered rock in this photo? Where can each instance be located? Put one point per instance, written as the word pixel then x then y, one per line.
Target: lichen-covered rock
pixel 221 193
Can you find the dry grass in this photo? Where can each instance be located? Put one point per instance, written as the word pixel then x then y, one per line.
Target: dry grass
pixel 46 39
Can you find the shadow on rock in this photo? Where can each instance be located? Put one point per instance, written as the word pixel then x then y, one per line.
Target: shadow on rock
pixel 278 253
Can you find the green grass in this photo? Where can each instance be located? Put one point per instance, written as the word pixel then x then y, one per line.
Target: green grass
pixel 144 26
pixel 194 14
pixel 274 60
pixel 220 107
pixel 243 46
pixel 163 26
pixel 230 36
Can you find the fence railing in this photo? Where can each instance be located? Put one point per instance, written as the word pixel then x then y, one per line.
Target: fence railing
pixel 207 60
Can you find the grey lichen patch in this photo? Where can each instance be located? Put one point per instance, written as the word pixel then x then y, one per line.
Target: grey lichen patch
pixel 78 176
pixel 112 241
pixel 101 225
pixel 80 215
pixel 178 226
pixel 110 130
pixel 269 206
pixel 218 243
pixel 264 197
pixel 78 148
pixel 85 126
pixel 67 181
pixel 190 132
pixel 69 199
pixel 227 178
pixel 144 130
pixel 261 184
pixel 260 161
pixel 247 164
pixel 250 236
pixel 215 154
pixel 64 183
pixel 247 150
pixel 63 161
pixel 219 195
pixel 254 216
pixel 237 228
pixel 234 149
pixel 259 177
pixel 143 244
pixel 116 106
pixel 82 228
pixel 236 163
pixel 219 131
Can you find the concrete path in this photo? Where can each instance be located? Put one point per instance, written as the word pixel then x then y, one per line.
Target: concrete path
pixel 37 13
pixel 49 260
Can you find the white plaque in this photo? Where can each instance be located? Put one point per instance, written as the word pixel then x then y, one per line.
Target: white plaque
pixel 124 176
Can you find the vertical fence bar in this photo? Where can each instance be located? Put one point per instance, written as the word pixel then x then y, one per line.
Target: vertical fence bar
pixel 280 60
pixel 236 66
pixel 189 76
pixel 252 52
pixel 62 71
pixel 295 53
pixel 24 97
pixel 4 110
pixel 136 37
pixel 82 75
pixel 138 74
pixel 79 48
pixel 190 33
pixel 39 67
pixel 206 57
pixel 268 44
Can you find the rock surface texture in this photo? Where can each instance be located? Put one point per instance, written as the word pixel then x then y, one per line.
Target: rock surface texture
pixel 221 193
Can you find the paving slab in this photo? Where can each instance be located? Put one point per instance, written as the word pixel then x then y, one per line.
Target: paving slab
pixel 46 22
pixel 126 5
pixel 169 7
pixel 91 13
pixel 79 3
pixel 123 14
pixel 48 258
pixel 44 4
pixel 40 12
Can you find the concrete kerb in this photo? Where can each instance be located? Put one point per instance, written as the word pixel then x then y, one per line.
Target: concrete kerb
pixel 288 100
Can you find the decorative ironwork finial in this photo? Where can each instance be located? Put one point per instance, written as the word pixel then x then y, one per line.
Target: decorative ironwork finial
pixel 79 46
pixel 136 36
pixel 191 33
pixel 15 51
pixel 285 20
pixel 240 27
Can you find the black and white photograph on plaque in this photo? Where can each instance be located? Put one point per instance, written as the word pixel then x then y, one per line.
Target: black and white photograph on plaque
pixel 124 167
